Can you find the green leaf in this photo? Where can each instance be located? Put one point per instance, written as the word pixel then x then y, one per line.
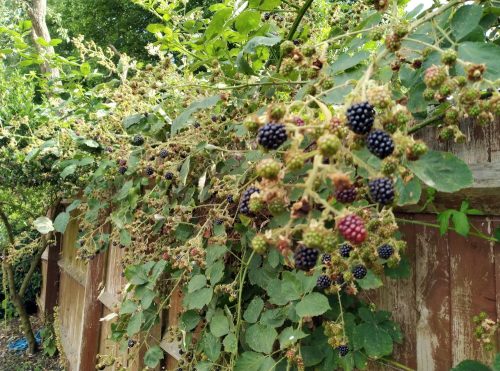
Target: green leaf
pixel 461 223
pixel 219 325
pixel 230 343
pixel 247 21
pixel 134 323
pixel 370 281
pixel 189 320
pixel 85 69
pixel 442 171
pixel 128 307
pixel 217 23
pixel 402 270
pixel 68 170
pixel 409 193
pixel 125 238
pixel 465 20
pixel 470 365
pixel 274 317
pixel 252 313
pixel 376 341
pixel 261 338
pixel 312 305
pixel 183 174
pixel 416 101
pixel 250 48
pixel 211 346
pixel 61 222
pixel 198 299
pixel 215 272
pixel 346 61
pixel 182 120
pixel 264 4
pixel 197 282
pixel 153 356
pixel 444 221
pixel 480 52
pixel 43 225
pixel 250 361
pixel 290 336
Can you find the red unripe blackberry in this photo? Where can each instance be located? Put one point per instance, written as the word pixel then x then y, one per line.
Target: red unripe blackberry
pixel 305 258
pixel 345 250
pixel 385 251
pixel 138 140
pixel 359 271
pixel 380 143
pixel 352 228
pixel 346 195
pixel 360 117
pixel 343 350
pixel 323 282
pixel 382 190
pixel 245 200
pixel 434 76
pixel 271 136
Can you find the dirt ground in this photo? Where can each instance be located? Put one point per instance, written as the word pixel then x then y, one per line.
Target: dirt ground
pixel 21 361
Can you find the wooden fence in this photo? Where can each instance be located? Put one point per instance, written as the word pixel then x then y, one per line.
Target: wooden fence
pixel 452 279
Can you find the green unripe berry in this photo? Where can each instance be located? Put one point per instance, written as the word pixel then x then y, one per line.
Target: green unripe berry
pixel 328 144
pixel 449 57
pixel 295 163
pixel 428 94
pixel 259 244
pixel 287 47
pixel 389 166
pixel 419 149
pixel 268 168
pixel 276 206
pixel 312 238
pixel 308 50
pixel 256 203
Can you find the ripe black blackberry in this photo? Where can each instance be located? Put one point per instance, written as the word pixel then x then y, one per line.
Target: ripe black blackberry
pixel 230 199
pixel 382 190
pixel 380 143
pixel 219 221
pixel 385 251
pixel 340 279
pixel 345 250
pixel 343 350
pixel 245 200
pixel 169 175
pixel 346 195
pixel 359 272
pixel 271 136
pixel 149 171
pixel 360 117
pixel 138 140
pixel 326 259
pixel 305 258
pixel 163 153
pixel 131 343
pixel 122 170
pixel 323 282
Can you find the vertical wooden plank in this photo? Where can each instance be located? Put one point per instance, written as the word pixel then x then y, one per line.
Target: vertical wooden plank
pixel 92 312
pixel 472 290
pixel 432 298
pixel 174 311
pixel 398 297
pixel 51 276
pixel 493 224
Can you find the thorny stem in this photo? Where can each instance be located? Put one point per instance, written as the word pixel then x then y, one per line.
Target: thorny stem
pixel 240 298
pixel 425 224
